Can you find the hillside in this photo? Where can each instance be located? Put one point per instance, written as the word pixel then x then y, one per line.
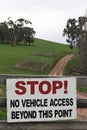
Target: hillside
pixel 37 59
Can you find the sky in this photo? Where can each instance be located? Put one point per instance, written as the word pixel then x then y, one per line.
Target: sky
pixel 48 17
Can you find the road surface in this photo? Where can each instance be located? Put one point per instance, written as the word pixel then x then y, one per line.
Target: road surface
pixel 59 67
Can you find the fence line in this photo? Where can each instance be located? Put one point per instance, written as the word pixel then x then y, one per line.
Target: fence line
pixel 81 81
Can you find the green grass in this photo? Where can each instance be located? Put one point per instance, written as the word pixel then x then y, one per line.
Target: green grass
pixel 3 111
pixel 44 51
pixel 3 114
pixel 82 89
pixel 74 67
pixel 3 90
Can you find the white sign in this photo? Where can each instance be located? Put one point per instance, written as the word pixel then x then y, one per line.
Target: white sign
pixel 41 99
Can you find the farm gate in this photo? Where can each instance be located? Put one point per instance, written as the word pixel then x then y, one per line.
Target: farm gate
pixel 58 125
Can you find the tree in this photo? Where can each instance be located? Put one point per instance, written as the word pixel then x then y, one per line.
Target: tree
pixel 13 28
pixel 76 33
pixel 20 22
pixel 4 35
pixel 18 30
pixel 71 32
pixel 29 35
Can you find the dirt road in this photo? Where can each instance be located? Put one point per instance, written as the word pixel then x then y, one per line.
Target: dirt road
pixel 58 71
pixel 59 67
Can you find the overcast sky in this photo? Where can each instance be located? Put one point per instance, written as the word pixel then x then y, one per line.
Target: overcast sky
pixel 48 17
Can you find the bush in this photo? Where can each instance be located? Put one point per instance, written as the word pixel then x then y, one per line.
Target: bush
pixel 32 64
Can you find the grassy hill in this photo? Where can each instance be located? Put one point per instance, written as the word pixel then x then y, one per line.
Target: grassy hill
pixel 37 59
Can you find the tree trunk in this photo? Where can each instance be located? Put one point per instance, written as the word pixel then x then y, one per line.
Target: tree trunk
pixel 14 40
pixel 82 48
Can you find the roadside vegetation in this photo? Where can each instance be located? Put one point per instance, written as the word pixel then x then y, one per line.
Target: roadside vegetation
pixel 74 67
pixel 3 114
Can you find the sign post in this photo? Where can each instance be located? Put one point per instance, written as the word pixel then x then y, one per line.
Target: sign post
pixel 41 99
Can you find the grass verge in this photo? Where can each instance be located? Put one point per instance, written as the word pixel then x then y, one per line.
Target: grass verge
pixel 3 114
